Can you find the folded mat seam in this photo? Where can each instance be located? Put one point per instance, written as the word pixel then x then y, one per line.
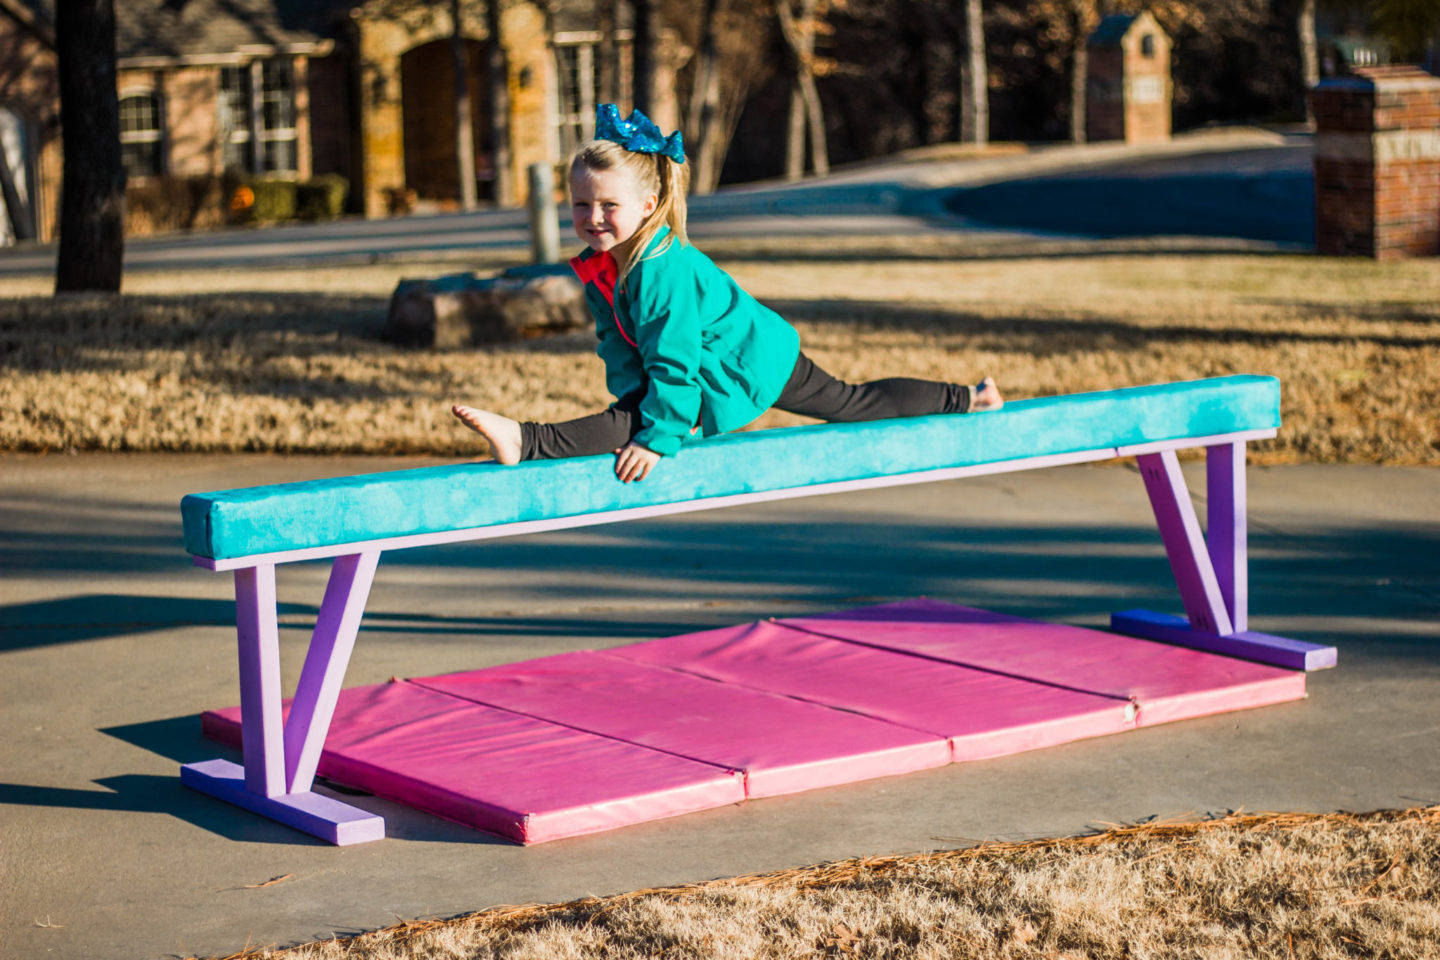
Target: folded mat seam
pixel 781 693
pixel 417 681
pixel 963 663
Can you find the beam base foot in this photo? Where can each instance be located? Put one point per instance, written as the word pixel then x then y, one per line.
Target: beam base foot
pixel 339 823
pixel 1247 644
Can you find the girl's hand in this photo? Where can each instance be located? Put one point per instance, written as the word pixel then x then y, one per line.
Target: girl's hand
pixel 634 462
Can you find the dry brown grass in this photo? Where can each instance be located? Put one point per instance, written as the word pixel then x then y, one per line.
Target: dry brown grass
pixel 1242 887
pixel 292 360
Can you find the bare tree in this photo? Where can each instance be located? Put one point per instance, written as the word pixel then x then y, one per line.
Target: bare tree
pixel 498 86
pixel 92 195
pixel 644 58
pixel 1309 54
pixel 1084 17
pixel 974 77
pixel 704 113
pixel 607 74
pixel 806 111
pixel 1409 26
pixel 464 130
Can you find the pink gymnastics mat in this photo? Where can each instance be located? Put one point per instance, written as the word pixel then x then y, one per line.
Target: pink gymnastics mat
pixel 592 740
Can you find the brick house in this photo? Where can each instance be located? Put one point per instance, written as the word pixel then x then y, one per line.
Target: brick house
pixel 300 88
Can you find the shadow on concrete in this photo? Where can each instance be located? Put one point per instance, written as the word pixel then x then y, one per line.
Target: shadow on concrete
pixel 1261 194
pixel 178 739
pixel 95 616
pixel 623 578
pixel 149 793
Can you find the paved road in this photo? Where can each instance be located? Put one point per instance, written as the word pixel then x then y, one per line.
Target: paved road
pixel 1265 193
pixel 986 195
pixel 111 644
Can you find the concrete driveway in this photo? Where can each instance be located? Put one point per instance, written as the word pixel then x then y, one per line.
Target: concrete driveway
pixel 111 643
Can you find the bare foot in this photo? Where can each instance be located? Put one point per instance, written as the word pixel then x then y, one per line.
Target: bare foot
pixel 986 397
pixel 502 432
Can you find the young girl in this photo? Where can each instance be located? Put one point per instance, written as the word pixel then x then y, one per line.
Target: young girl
pixel 686 351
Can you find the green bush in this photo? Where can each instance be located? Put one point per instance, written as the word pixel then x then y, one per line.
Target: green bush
pixel 268 200
pixel 322 198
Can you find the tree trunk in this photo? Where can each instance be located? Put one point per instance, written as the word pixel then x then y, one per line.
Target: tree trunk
pixel 705 103
pixel 498 83
pixel 815 112
pixel 464 131
pixel 92 195
pixel 647 34
pixel 1079 74
pixel 805 107
pixel 607 72
pixel 974 78
pixel 795 132
pixel 1309 57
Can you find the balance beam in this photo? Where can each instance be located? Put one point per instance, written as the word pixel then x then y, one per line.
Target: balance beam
pixel 354 519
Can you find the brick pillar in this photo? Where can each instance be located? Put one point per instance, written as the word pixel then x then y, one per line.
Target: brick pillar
pixel 1377 163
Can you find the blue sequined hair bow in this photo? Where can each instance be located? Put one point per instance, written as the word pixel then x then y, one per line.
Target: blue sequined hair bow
pixel 639 133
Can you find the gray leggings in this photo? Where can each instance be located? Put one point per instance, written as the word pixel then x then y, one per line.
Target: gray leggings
pixel 810 392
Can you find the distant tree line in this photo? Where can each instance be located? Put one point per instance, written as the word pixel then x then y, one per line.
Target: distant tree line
pixel 892 74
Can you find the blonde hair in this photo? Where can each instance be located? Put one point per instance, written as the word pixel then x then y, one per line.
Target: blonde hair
pixel 651 173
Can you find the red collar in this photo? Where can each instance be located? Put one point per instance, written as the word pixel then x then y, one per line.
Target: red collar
pixel 601 270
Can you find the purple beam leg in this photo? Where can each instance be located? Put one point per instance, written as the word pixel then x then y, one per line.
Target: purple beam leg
pixel 320 816
pixel 325 663
pixel 1225 533
pixel 259 643
pixel 1245 644
pixel 1180 530
pixel 260 785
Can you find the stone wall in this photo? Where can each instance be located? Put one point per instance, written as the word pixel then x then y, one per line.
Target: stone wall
pixel 1377 163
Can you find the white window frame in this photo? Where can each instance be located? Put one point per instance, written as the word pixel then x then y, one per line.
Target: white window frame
pixel 270 135
pixel 249 127
pixel 576 91
pixel 155 136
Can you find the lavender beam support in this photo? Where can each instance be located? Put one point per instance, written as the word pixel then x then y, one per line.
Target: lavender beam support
pixel 259 643
pixel 1189 560
pixel 1212 573
pixel 1225 532
pixel 1245 644
pixel 325 664
pixel 280 758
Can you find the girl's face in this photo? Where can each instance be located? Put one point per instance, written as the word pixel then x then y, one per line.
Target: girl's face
pixel 608 207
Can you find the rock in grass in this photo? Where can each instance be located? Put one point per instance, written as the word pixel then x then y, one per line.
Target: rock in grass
pixel 463 310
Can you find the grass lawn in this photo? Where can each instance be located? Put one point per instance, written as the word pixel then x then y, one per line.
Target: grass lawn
pixel 1240 888
pixel 293 360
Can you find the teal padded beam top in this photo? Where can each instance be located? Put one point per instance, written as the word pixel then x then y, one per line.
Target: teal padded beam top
pixel 319 513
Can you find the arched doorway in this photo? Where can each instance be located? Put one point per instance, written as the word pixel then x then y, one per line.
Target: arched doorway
pixel 427 105
pixel 17 205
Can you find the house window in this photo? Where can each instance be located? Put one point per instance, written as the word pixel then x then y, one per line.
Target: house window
pixel 278 153
pixel 1147 45
pixel 141 135
pixel 575 69
pixel 235 141
pixel 257 117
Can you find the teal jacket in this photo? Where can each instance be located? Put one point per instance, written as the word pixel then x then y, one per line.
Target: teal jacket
pixel 703 350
